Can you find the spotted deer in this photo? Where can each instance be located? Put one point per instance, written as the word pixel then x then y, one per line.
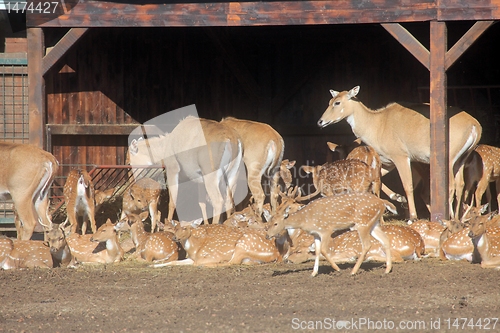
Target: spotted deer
pixel 28 254
pixel 406 136
pixel 79 195
pixel 431 234
pixel 341 176
pixel 6 246
pixel 406 244
pixel 320 218
pixel 221 245
pixel 156 247
pixel 26 176
pixel 143 195
pixel 485 234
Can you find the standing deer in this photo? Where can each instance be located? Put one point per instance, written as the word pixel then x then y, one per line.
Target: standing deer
pixel 143 195
pixel 263 149
pixel 320 218
pixel 157 247
pixel 26 176
pixel 401 135
pixel 341 176
pixel 79 196
pixel 197 150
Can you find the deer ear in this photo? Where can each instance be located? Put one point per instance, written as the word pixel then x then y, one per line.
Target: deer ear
pixel 332 146
pixel 197 222
pixel 307 168
pixel 334 93
pixel 144 215
pixel 353 92
pixel 484 208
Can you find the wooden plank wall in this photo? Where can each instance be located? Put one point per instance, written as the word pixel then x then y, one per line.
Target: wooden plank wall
pixel 279 75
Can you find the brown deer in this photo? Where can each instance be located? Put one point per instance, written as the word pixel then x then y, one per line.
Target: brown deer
pixel 6 246
pixel 28 254
pixel 156 247
pixel 431 234
pixel 343 176
pixel 221 245
pixel 143 195
pixel 320 218
pixel 485 234
pixel 406 136
pixel 79 195
pixel 406 244
pixel 200 150
pixel 26 176
pixel 263 149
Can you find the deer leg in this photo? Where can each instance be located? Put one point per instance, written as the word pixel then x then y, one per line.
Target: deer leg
pixel 390 193
pixel 482 186
pixel 381 236
pixel 153 214
pixel 364 236
pixel 212 181
pixel 255 186
pixel 324 250
pixel 274 189
pixel 317 242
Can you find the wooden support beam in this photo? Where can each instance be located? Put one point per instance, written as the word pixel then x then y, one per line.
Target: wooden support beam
pixel 405 38
pixel 60 49
pixel 439 124
pixel 466 41
pixel 36 91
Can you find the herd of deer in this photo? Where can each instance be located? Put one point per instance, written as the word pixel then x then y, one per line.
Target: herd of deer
pixel 345 224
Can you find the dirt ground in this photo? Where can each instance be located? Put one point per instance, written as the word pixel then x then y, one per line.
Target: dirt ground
pixel 425 296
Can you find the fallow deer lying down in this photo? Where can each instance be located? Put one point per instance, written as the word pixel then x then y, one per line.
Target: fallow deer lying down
pixel 26 176
pixel 221 245
pixel 431 234
pixel 157 247
pixel 343 176
pixel 79 195
pixel 320 218
pixel 485 234
pixel 28 254
pixel 405 138
pixel 197 150
pixel 142 196
pixel 102 247
pixel 6 246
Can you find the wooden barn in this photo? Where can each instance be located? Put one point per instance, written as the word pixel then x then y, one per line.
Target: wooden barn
pixel 97 69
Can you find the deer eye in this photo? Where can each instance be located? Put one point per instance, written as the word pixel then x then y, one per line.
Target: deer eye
pixel 336 103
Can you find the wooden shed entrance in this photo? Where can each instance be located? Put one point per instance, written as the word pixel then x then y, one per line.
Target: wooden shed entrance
pixel 79 16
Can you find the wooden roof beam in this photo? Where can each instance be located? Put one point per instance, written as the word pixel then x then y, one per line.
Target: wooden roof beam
pixel 60 49
pixel 405 38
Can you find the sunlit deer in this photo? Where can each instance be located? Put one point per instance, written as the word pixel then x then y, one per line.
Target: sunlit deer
pixel 431 234
pixel 79 195
pixel 357 211
pixel 263 149
pixel 6 246
pixel 156 247
pixel 198 150
pixel 486 238
pixel 406 244
pixel 101 247
pixel 401 135
pixel 28 254
pixel 342 176
pixel 26 175
pixel 143 195
pixel 221 245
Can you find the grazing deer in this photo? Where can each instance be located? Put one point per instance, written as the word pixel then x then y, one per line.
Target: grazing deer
pixel 320 218
pixel 406 136
pixel 406 244
pixel 26 176
pixel 343 176
pixel 220 245
pixel 431 234
pixel 157 247
pixel 79 196
pixel 263 149
pixel 143 195
pixel 28 254
pixel 486 238
pixel 202 151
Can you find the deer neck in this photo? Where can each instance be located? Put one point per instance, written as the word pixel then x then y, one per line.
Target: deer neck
pixel 363 120
pixel 62 257
pixel 483 246
pixel 113 248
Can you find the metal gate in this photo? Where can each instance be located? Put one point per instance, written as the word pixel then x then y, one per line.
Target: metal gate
pixel 13 116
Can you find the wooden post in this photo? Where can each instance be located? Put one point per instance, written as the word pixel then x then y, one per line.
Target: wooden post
pixel 36 82
pixel 439 123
